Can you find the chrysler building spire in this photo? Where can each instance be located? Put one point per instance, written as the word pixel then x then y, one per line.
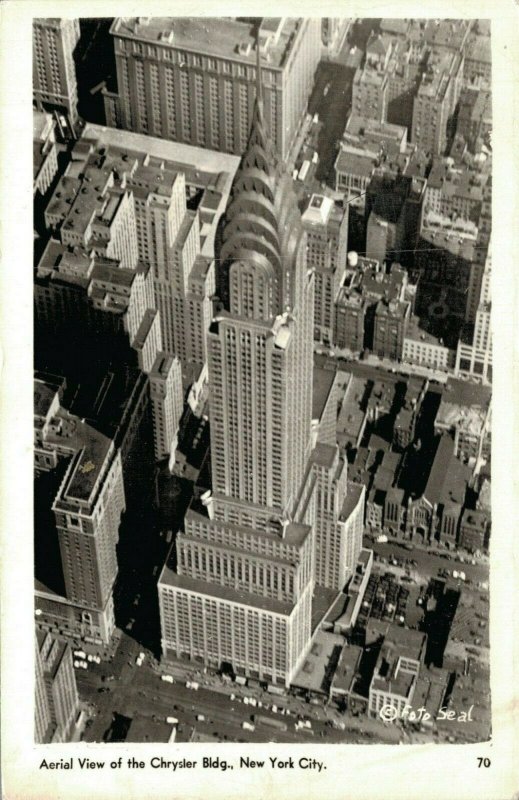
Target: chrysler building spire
pixel 262 233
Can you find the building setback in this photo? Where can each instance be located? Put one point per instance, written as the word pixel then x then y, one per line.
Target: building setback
pixel 192 79
pixel 242 592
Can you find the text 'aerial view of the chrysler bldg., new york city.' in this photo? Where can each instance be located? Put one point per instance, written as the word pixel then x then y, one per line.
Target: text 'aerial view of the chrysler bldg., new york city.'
pixel 262 379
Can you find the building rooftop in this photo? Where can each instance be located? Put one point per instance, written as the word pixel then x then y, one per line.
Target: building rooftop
pixel 447 33
pixel 479 49
pixel 398 27
pixel 409 642
pixel 318 210
pixel 415 333
pixel 455 242
pixel 346 668
pixel 354 163
pixel 317 671
pixel 352 413
pixel 461 393
pixel 397 309
pixel 324 454
pixel 351 500
pixel 201 167
pixel 449 477
pixel 375 130
pixel 162 365
pixel 323 382
pixel 475 519
pixel 223 37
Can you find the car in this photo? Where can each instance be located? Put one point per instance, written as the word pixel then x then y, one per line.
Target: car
pixel 80 653
pixel 167 678
pixel 200 718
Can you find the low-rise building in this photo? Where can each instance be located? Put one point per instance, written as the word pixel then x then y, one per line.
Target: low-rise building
pixel 391 319
pixel 465 413
pixel 397 669
pixel 424 349
pixel 474 530
pixel 404 427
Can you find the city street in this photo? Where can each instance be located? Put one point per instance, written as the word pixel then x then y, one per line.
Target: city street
pixel 430 563
pixel 139 692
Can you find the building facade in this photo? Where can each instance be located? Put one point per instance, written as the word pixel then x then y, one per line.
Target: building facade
pixel 54 72
pixel 192 79
pixel 326 228
pixel 56 697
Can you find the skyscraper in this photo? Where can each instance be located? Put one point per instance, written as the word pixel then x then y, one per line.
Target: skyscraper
pixel 242 593
pixel 54 73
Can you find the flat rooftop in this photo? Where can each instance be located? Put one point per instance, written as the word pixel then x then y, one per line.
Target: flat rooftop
pixel 323 380
pixel 347 668
pixel 351 500
pixel 216 36
pixel 192 161
pixel 319 666
pixel 415 333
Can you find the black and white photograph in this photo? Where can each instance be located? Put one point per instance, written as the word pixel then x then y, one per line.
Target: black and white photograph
pixel 262 369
